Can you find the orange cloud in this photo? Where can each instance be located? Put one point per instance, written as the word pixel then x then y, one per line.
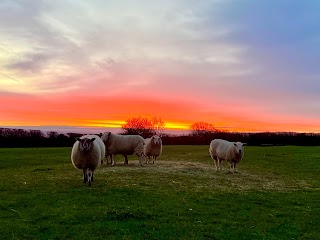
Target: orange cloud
pixel 98 111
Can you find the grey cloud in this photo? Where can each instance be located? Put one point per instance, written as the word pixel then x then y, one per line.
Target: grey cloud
pixel 23 24
pixel 30 63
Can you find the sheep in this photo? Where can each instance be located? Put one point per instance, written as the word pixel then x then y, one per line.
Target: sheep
pixel 224 150
pixel 87 154
pixel 153 148
pixel 123 144
pixel 108 155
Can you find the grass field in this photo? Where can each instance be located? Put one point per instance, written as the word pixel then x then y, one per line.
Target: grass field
pixel 274 195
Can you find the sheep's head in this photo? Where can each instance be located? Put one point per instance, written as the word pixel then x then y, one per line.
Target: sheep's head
pixel 238 148
pixel 156 140
pixel 105 136
pixel 85 144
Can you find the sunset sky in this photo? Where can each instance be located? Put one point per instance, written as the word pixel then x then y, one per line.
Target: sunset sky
pixel 242 65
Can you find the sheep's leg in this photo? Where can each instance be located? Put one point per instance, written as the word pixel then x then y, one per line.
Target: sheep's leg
pixel 215 159
pixel 216 164
pixel 140 158
pixel 144 156
pixel 154 159
pixel 112 159
pixel 85 177
pixel 126 162
pixel 90 177
pixel 219 163
pixel 232 166
pixel 107 158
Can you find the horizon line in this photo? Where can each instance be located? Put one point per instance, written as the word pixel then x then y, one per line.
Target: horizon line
pixel 92 129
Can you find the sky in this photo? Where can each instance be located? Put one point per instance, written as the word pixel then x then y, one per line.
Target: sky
pixel 242 65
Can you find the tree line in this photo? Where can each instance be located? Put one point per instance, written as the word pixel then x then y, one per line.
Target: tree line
pixel 10 137
pixel 201 133
pixel 253 139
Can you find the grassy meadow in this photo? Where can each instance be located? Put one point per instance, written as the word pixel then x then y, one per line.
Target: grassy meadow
pixel 274 195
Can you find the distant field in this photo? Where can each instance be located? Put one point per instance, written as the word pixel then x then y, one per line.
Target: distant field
pixel 274 195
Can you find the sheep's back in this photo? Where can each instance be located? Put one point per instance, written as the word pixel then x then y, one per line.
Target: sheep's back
pixel 127 144
pixel 219 147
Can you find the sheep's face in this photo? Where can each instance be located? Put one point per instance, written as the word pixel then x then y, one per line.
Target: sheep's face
pixel 238 148
pixel 85 144
pixel 105 136
pixel 156 140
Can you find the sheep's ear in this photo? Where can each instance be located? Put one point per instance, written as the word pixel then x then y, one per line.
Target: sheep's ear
pixel 234 144
pixel 99 134
pixel 92 139
pixel 244 144
pixel 77 139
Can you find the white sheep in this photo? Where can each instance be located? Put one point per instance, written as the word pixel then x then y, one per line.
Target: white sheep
pixel 224 150
pixel 123 144
pixel 87 154
pixel 108 155
pixel 153 148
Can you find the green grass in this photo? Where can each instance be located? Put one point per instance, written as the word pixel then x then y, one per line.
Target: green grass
pixel 274 195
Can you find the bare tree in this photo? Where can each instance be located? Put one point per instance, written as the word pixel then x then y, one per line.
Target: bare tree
pixel 144 126
pixel 202 128
pixel 138 125
pixel 158 125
